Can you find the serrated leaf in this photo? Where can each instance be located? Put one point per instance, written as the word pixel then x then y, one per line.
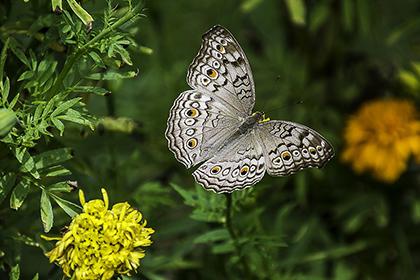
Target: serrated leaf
pixel 56 171
pixel 65 106
pixel 67 206
pixel 47 216
pixel 19 193
pixel 52 157
pixel 213 235
pixel 7 180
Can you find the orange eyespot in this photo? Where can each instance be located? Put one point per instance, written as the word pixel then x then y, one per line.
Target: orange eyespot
pixel 220 48
pixel 215 169
pixel 286 155
pixel 312 150
pixel 212 73
pixel 192 143
pixel 244 170
pixel 192 113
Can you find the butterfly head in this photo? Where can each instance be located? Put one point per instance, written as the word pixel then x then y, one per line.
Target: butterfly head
pixel 260 116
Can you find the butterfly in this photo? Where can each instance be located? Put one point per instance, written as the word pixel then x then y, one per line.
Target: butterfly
pixel 213 124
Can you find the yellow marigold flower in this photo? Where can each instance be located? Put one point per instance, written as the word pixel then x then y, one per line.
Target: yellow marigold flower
pixel 101 242
pixel 381 137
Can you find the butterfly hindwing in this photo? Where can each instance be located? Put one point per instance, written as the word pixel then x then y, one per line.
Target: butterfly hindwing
pixel 222 68
pixel 290 147
pixel 197 123
pixel 238 165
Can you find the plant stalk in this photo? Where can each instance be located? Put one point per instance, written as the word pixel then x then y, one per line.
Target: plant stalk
pixel 234 236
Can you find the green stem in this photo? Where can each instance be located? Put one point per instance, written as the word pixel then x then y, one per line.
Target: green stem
pixel 234 236
pixel 85 48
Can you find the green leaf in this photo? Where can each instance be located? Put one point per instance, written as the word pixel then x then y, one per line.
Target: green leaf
pixel 66 205
pixel 97 59
pixel 3 57
pixel 112 75
pixel 37 114
pixel 213 235
pixel 348 14
pixel 249 5
pixel 297 11
pixel 47 216
pixel 13 102
pixel 19 193
pixel 7 180
pixel 36 277
pixel 17 51
pixel 14 273
pixel 27 75
pixel 52 157
pixel 28 164
pixel 56 171
pixel 59 125
pixel 224 248
pixel 7 121
pixel 57 5
pixel 75 117
pixel 65 106
pixel 59 187
pixel 188 196
pixel 95 90
pixel 5 90
pixel 85 17
pixel 319 16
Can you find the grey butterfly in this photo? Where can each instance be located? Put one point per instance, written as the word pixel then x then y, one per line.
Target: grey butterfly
pixel 213 123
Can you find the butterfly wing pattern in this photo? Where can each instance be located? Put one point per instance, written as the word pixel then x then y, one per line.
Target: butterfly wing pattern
pixel 222 68
pixel 289 147
pixel 205 124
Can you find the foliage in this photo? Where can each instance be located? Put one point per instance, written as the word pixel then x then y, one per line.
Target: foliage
pixel 69 118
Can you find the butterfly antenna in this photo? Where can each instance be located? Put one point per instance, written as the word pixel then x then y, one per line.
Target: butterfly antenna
pixel 287 106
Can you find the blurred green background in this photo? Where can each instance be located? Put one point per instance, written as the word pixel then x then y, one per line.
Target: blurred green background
pixel 318 224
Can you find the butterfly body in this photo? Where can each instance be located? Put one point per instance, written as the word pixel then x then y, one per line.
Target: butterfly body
pixel 212 123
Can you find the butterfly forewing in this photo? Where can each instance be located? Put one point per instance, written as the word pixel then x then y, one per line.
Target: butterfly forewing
pixel 222 68
pixel 197 124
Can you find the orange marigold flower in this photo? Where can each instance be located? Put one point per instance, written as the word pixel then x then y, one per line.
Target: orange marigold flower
pixel 381 136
